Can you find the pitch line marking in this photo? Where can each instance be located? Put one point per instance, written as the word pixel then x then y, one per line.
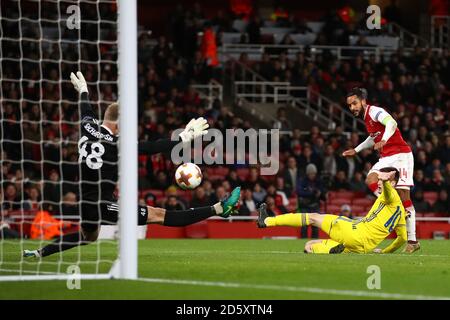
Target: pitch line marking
pixel 370 294
pixel 302 253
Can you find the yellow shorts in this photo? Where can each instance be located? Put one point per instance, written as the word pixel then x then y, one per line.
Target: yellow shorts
pixel 324 246
pixel 341 230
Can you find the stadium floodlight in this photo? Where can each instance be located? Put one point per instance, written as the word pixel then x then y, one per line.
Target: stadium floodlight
pixel 41 43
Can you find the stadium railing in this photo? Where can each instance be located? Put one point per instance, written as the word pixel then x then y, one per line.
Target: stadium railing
pixel 255 51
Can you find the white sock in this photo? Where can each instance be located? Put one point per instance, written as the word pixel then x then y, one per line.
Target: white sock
pixel 218 208
pixel 411 223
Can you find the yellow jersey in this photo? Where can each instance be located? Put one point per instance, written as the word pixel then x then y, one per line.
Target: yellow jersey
pixel 386 215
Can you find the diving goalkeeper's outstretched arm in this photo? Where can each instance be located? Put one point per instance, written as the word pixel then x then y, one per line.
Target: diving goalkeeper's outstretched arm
pixel 195 128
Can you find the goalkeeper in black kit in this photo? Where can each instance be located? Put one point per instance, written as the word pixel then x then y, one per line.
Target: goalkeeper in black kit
pixel 98 158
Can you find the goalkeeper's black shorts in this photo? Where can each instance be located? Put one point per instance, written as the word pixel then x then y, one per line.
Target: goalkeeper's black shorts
pixel 105 213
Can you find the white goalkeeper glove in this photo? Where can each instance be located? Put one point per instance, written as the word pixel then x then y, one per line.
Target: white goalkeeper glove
pixel 194 129
pixel 79 82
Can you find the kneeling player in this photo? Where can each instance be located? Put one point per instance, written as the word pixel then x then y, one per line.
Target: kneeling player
pixel 98 156
pixel 347 235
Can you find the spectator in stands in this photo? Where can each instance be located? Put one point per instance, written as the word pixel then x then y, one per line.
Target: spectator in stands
pixel 282 123
pixel 392 13
pixel 173 203
pixel 272 208
pixel 52 192
pixel 442 205
pixel 220 193
pixel 259 193
pixel 34 198
pixel 329 161
pixel 419 180
pixel 308 157
pixel 6 232
pixel 436 183
pixel 253 29
pixel 12 200
pixel 248 207
pixel 254 178
pixel 346 211
pixel 340 182
pixel 358 183
pixel 69 205
pixel 310 191
pixel 419 203
pixel 280 198
pixel 291 176
pixel 161 181
pixel 161 52
pixel 200 199
pixel 234 179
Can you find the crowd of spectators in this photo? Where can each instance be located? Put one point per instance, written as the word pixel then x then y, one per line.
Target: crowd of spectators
pixel 39 125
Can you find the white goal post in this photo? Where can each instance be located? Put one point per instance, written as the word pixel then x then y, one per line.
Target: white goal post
pixel 125 266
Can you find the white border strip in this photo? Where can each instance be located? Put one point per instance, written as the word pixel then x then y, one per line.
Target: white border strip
pixel 354 293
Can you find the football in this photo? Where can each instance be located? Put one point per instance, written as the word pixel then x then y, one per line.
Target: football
pixel 188 176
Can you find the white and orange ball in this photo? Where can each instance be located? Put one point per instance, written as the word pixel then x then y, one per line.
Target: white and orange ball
pixel 188 176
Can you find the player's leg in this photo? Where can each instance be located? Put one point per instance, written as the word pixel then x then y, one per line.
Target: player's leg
pixel 339 232
pixel 405 165
pixel 288 219
pixel 66 242
pixel 327 246
pixel 89 230
pixel 179 218
pixel 412 245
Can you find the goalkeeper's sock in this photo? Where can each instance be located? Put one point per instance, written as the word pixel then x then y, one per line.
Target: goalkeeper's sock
pixel 65 242
pixel 289 220
pixel 181 218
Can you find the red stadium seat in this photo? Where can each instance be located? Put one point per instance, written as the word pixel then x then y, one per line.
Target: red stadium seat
pixel 362 202
pixel 339 201
pixel 348 195
pixel 333 209
pixel 223 171
pixel 358 209
pixel 243 173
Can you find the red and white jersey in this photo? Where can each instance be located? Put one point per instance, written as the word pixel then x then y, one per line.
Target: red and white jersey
pixel 373 118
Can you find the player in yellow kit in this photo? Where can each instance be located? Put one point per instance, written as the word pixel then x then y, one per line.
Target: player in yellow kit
pixel 348 235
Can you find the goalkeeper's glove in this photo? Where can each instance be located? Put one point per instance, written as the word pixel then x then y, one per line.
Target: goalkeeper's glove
pixel 79 82
pixel 194 129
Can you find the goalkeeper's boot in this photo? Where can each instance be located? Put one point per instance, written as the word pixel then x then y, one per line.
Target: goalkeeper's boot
pixel 262 215
pixel 31 254
pixel 412 246
pixel 230 204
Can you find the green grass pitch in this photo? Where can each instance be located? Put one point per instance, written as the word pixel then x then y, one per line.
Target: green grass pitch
pixel 237 269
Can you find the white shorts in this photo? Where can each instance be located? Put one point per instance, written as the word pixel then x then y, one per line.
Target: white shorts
pixel 404 163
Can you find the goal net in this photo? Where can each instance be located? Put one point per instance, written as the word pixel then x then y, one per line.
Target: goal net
pixel 42 42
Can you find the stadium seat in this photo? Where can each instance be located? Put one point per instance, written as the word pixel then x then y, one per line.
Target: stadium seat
pixel 332 209
pixel 243 173
pixel 240 25
pixel 358 209
pixel 362 202
pixel 340 201
pixel 348 195
pixel 315 26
